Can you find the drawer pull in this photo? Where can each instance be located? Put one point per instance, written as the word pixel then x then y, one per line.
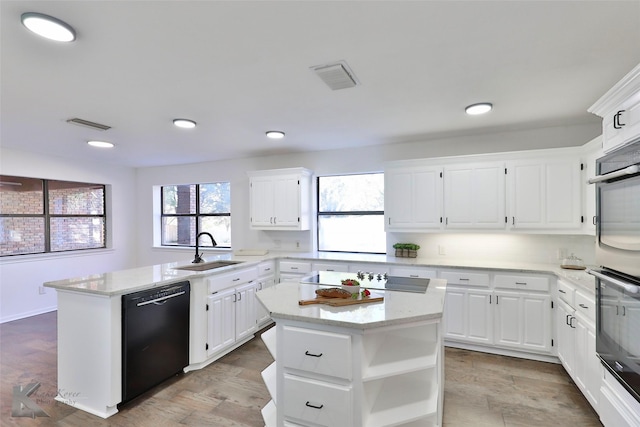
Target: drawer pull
pixel 583 306
pixel 463 279
pixel 311 354
pixel 521 283
pixel 236 279
pixel 414 275
pixel 561 291
pixel 313 406
pixel 294 268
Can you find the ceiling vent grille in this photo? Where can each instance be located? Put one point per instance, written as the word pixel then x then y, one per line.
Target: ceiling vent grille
pixel 87 123
pixel 336 75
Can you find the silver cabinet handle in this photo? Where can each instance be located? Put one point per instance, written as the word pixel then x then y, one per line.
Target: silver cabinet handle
pixel 521 283
pixel 313 406
pixel 561 291
pixel 583 306
pixel 306 353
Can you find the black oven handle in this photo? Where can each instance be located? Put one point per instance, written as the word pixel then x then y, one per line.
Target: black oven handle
pixel 630 170
pixel 619 283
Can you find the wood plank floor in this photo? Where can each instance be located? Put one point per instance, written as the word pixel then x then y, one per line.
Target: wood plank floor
pixel 480 389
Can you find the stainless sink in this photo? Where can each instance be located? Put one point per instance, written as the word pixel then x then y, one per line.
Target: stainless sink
pixel 207 265
pixel 408 284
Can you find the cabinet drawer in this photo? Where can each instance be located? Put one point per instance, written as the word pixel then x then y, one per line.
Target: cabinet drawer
pixel 324 353
pixel 317 402
pixel 422 273
pixel 325 266
pixel 228 280
pixel 267 268
pixel 295 267
pixel 566 293
pixel 586 305
pixel 465 278
pixel 526 283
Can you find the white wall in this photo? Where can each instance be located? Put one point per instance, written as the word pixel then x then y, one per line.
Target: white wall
pixel 368 159
pixel 21 276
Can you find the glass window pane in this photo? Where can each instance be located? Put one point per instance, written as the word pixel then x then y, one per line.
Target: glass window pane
pixel 215 198
pixel 69 233
pixel 352 233
pixel 21 235
pixel 179 230
pixel 75 198
pixel 348 193
pixel 220 229
pixel 21 195
pixel 179 199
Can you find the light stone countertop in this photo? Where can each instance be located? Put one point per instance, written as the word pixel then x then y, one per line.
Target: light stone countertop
pixel 137 279
pixel 398 307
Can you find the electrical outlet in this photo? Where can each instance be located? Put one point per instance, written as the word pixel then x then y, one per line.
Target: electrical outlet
pixel 442 250
pixel 41 290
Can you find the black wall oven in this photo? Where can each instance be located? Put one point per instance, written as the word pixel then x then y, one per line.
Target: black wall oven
pixel 618 254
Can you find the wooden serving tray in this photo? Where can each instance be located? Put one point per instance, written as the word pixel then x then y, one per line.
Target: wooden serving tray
pixel 339 302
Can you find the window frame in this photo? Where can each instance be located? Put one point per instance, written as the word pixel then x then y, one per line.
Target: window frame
pixel 46 215
pixel 197 215
pixel 320 213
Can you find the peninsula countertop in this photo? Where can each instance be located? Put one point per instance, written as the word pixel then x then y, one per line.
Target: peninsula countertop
pixel 397 307
pixel 137 279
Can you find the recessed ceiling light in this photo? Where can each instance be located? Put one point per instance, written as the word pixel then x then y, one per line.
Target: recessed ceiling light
pixel 184 123
pixel 275 134
pixel 48 27
pixel 100 144
pixel 480 108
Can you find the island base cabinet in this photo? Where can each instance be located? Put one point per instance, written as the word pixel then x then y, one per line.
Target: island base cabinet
pixel 335 376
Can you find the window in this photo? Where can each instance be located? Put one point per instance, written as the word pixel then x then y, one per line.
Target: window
pixel 191 209
pixel 351 213
pixel 40 215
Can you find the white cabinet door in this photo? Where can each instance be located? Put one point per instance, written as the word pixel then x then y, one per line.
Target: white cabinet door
pixel 413 199
pixel 245 308
pixel 286 199
pixel 262 207
pixel 480 325
pixel 565 334
pixel 523 321
pixel 545 194
pixel 262 315
pixel 455 314
pixel 474 196
pixel 221 321
pixel 468 315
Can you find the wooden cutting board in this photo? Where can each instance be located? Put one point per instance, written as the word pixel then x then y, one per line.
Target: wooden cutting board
pixel 339 302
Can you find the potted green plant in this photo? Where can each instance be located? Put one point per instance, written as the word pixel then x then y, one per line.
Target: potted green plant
pixel 398 248
pixel 413 250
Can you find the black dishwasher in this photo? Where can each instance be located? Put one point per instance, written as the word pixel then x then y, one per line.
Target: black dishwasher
pixel 155 337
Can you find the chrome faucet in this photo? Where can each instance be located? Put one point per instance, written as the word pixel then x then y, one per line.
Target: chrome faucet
pixel 198 258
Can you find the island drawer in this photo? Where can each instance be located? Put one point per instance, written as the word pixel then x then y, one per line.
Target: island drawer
pixel 319 352
pixel 316 402
pixel 295 267
pixel 464 278
pixel 232 279
pixel 586 305
pixel 422 273
pixel 523 283
pixel 566 293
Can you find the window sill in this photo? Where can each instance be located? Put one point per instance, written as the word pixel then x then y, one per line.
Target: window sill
pixel 16 259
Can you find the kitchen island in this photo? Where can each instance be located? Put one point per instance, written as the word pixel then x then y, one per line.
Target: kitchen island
pixel 372 364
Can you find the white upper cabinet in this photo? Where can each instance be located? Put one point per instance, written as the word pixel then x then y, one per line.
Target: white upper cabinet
pixel 620 112
pixel 544 194
pixel 280 199
pixel 413 198
pixel 474 196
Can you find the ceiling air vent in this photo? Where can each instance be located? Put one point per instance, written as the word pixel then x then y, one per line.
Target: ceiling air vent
pixel 87 123
pixel 336 76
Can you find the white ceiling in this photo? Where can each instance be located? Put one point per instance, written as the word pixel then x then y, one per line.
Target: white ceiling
pixel 240 68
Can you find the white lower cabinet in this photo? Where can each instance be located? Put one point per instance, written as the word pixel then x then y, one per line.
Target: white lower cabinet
pixel 331 376
pixel 478 311
pixel 266 279
pixel 231 312
pixel 577 341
